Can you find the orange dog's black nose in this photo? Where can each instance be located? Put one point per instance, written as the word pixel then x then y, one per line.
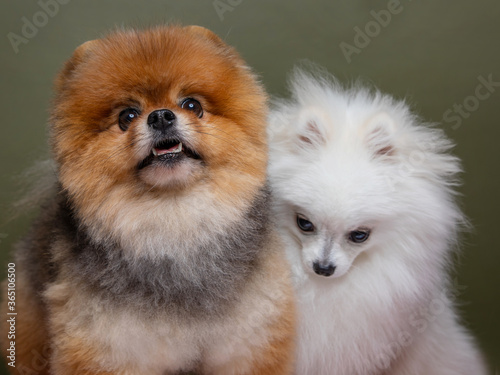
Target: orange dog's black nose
pixel 324 270
pixel 161 119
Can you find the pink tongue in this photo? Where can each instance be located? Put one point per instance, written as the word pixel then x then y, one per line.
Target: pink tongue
pixel 165 151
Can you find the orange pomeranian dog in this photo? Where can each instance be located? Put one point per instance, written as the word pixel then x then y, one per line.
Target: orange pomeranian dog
pixel 156 254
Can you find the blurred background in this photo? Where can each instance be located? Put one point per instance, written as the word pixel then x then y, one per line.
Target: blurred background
pixel 442 56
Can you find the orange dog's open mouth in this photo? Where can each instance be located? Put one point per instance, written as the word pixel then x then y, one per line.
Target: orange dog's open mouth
pixel 167 153
pixel 169 147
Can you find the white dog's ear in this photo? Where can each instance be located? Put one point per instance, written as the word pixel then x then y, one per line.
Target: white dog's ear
pixel 311 130
pixel 380 135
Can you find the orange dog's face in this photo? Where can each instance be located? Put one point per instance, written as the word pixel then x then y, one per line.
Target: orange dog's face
pixel 158 112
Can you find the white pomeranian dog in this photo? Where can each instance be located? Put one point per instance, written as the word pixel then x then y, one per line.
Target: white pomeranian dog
pixel 364 196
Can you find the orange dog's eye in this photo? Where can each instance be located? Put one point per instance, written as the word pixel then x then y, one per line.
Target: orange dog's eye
pixel 193 105
pixel 126 117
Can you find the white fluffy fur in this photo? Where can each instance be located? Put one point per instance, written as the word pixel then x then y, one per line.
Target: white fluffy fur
pixel 353 158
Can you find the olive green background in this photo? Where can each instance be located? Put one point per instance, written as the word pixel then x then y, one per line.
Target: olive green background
pixel 431 52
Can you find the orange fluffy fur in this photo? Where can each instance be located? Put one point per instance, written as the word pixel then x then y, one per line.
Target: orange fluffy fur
pixel 136 210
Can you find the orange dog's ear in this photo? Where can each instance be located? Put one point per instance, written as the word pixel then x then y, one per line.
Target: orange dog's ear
pixel 199 30
pixel 69 67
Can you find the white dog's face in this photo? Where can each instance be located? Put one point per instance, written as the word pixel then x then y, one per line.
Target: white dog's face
pixel 332 190
pixel 352 174
pixel 332 215
pixel 328 251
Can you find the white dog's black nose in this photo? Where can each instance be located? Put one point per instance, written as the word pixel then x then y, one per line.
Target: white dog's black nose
pixel 161 119
pixel 324 270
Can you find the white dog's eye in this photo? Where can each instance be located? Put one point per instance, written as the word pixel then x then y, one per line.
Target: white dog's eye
pixel 359 235
pixel 304 224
